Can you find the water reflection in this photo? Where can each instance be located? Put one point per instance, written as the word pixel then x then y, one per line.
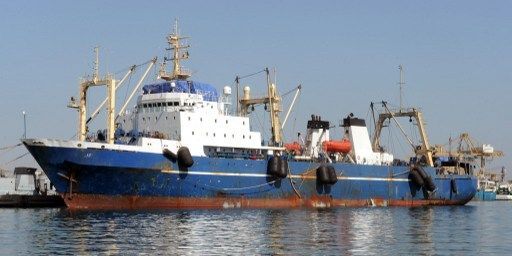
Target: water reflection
pixel 351 231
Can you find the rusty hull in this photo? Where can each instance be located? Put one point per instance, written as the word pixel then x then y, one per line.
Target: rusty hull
pixel 101 202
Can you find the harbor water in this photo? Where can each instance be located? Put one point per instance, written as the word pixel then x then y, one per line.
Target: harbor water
pixel 477 228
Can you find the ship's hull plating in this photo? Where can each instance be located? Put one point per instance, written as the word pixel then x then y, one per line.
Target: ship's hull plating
pixel 482 195
pixel 90 178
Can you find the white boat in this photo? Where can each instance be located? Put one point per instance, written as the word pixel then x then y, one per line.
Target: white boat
pixel 504 192
pixel 28 187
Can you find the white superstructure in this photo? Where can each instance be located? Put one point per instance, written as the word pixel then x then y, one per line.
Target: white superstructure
pixel 176 112
pixel 191 120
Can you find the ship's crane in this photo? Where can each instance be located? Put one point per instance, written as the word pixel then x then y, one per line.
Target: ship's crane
pixel 469 150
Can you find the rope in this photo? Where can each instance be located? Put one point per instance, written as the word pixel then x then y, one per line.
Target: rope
pixel 128 87
pixel 293 185
pixel 11 147
pixel 17 158
pixel 288 92
pixel 136 66
pixel 249 75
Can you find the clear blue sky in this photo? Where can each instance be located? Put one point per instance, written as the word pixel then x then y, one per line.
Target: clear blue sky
pixel 457 57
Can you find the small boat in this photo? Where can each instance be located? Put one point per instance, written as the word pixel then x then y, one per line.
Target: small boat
pixel 504 192
pixel 486 190
pixel 28 187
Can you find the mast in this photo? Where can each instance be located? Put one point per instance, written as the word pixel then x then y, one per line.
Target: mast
pixel 423 150
pixel 274 102
pixel 85 84
pixel 401 83
pixel 275 108
pixel 179 53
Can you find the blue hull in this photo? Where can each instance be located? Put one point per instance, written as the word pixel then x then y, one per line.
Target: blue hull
pixel 482 195
pixel 102 179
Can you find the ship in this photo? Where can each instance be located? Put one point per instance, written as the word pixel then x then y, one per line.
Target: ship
pixel 181 147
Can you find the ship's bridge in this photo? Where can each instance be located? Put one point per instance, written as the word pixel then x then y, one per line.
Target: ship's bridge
pixel 193 114
pixel 208 92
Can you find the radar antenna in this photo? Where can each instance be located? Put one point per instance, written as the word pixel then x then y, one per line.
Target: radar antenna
pixel 179 53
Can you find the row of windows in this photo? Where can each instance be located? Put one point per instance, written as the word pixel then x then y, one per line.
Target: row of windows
pixel 156 118
pixel 254 151
pixel 225 135
pixel 200 119
pixel 169 104
pixel 166 104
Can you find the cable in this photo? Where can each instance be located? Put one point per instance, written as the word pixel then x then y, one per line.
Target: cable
pixel 17 158
pixel 11 147
pixel 246 76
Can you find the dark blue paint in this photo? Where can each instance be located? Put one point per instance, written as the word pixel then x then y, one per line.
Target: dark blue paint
pixel 108 172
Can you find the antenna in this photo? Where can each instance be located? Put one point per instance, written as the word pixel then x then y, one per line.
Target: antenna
pixel 179 53
pixel 96 64
pixel 24 124
pixel 401 83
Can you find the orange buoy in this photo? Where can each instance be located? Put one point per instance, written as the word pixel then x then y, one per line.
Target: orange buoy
pixel 343 146
pixel 294 147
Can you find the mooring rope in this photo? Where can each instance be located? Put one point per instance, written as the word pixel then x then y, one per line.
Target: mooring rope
pixel 11 147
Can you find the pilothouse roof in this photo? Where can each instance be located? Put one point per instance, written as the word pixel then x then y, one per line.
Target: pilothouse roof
pixel 208 92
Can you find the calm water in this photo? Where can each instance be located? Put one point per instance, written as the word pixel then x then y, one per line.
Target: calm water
pixel 478 228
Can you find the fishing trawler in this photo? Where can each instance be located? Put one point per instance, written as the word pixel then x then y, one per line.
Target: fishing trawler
pixel 181 147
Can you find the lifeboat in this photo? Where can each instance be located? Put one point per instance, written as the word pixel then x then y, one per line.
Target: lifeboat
pixel 294 147
pixel 344 146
